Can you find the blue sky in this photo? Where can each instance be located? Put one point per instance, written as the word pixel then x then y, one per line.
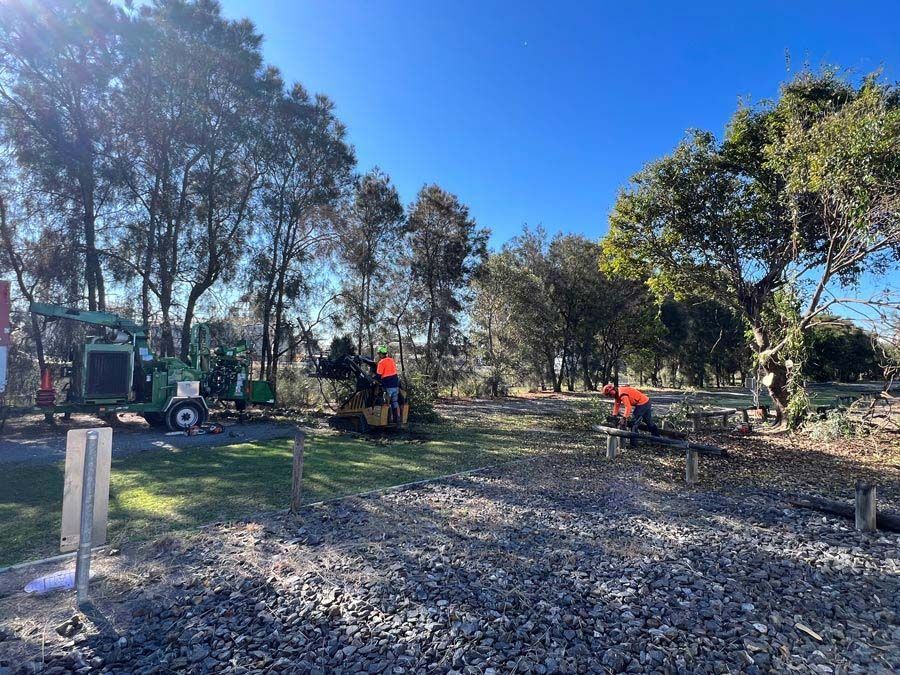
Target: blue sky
pixel 539 112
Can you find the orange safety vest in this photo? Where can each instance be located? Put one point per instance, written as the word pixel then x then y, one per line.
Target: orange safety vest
pixel 386 367
pixel 631 397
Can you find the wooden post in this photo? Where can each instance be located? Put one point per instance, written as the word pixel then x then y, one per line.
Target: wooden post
pixel 297 475
pixel 725 420
pixel 865 507
pixel 745 416
pixel 691 464
pixel 612 446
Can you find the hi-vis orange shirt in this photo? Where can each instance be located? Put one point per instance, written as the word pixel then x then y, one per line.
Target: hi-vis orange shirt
pixel 387 371
pixel 632 397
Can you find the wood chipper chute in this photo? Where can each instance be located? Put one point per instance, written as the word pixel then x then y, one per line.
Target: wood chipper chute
pixel 367 407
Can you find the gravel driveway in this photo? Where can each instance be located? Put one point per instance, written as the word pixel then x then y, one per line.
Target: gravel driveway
pixel 565 564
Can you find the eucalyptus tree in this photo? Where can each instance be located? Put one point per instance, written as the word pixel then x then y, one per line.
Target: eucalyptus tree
pixel 194 98
pixel 446 250
pixel 306 172
pixel 60 63
pixel 370 243
pixel 779 219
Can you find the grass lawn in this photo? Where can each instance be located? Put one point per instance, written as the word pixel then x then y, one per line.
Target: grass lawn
pixel 157 492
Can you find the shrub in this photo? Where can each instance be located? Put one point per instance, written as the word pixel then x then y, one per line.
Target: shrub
pixel 421 393
pixel 295 389
pixel 835 424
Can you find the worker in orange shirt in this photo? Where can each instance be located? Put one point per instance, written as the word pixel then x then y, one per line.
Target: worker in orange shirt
pixel 637 404
pixel 386 372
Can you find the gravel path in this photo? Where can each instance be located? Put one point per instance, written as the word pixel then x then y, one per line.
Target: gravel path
pixel 567 564
pixel 30 440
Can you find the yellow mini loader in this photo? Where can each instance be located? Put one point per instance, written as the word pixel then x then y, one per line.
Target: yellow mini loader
pixel 368 407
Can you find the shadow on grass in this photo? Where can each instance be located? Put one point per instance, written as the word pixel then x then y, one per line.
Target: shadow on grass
pixel 156 492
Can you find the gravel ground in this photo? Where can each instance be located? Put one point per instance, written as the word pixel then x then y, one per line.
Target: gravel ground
pixel 564 564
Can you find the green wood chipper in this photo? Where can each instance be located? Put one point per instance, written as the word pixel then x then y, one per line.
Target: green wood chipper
pixel 116 371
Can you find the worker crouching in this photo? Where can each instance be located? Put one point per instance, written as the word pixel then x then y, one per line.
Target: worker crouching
pixel 637 404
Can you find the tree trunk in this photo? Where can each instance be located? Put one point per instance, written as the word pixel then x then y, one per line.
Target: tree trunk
pixel 93 273
pixel 777 386
pixel 586 371
pixel 188 320
pixel 400 344
pixel 557 383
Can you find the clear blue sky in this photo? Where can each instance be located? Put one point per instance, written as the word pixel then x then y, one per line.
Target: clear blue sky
pixel 539 112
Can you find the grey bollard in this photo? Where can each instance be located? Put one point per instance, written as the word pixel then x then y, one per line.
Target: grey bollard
pixel 612 446
pixel 297 472
pixel 85 532
pixel 866 513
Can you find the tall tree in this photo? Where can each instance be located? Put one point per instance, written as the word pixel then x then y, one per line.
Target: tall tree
pixel 493 323
pixel 800 196
pixel 446 250
pixel 59 66
pixel 306 171
pixel 370 243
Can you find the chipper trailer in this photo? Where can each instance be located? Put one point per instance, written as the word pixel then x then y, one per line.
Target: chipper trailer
pixel 115 371
pixel 368 407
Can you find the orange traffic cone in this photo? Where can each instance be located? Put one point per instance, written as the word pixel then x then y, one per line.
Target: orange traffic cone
pixel 46 395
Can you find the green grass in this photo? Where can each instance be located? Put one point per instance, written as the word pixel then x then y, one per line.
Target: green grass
pixel 157 492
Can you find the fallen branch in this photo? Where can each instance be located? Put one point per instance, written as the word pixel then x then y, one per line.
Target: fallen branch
pixel 885 521
pixel 662 440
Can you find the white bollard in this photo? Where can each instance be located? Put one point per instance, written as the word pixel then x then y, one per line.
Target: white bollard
pixel 612 446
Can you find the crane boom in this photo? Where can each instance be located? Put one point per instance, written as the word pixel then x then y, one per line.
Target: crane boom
pixel 107 319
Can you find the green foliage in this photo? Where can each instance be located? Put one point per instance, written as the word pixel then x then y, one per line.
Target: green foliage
pixel 841 352
pixel 296 389
pixel 341 346
pixel 835 425
pixel 801 190
pixel 421 393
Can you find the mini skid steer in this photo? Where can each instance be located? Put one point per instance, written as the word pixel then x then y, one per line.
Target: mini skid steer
pixel 368 407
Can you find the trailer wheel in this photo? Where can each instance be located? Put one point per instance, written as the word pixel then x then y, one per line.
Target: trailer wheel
pixel 185 415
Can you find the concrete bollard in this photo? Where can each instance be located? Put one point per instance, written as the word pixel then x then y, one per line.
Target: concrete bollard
pixel 88 489
pixel 612 446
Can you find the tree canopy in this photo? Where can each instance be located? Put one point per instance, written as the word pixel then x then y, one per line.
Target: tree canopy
pixel 799 197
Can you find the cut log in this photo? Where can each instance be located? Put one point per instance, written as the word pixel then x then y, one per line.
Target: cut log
pixel 662 440
pixel 885 521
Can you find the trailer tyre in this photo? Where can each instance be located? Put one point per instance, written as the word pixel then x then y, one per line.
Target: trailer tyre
pixel 185 415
